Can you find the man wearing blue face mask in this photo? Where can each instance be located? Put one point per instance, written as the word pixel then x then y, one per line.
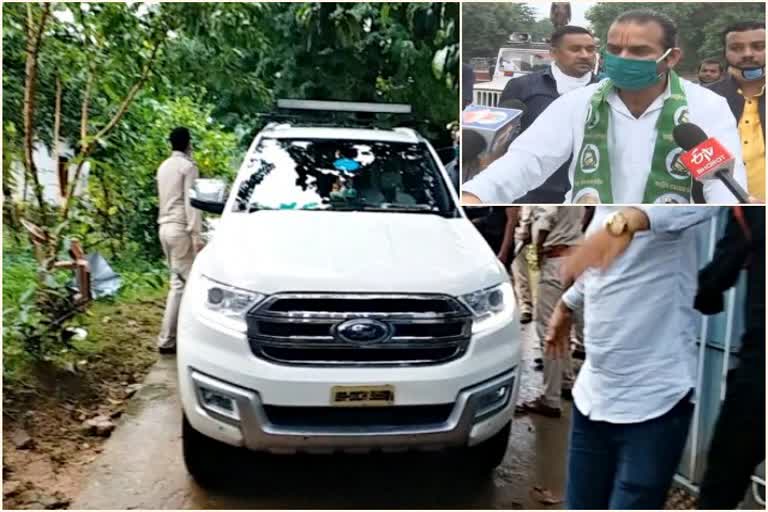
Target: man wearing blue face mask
pixel 619 132
pixel 744 88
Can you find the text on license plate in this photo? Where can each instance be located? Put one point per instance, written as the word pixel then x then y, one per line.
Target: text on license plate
pixel 362 396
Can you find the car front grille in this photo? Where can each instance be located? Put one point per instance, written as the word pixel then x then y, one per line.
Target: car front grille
pixel 300 329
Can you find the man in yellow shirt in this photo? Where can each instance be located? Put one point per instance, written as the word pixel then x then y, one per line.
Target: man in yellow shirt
pixel 744 88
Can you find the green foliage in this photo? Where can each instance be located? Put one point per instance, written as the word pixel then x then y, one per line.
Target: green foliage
pixel 388 52
pixel 219 67
pixel 699 24
pixel 486 26
pixel 123 191
pixel 28 335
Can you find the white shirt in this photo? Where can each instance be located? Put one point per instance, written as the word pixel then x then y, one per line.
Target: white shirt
pixel 640 328
pixel 558 133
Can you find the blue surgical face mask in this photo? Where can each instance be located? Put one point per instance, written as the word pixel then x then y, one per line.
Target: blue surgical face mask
pixel 632 74
pixel 751 74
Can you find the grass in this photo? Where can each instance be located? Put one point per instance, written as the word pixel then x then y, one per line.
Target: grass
pixel 143 287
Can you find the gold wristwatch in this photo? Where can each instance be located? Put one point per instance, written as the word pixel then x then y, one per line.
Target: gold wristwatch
pixel 617 224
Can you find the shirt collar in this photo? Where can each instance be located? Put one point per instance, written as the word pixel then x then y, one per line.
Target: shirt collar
pixel 762 91
pixel 180 154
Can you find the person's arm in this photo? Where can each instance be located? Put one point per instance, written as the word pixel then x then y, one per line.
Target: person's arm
pixel 509 233
pixel 720 274
pixel 663 219
pixel 721 125
pixel 573 297
pixel 602 248
pixel 559 327
pixel 531 158
pixel 194 216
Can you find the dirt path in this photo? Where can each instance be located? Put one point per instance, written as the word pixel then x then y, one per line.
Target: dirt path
pixel 46 446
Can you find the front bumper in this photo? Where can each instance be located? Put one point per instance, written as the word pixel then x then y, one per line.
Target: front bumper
pixel 250 426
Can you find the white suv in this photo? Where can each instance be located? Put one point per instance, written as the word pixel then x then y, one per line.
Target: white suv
pixel 344 303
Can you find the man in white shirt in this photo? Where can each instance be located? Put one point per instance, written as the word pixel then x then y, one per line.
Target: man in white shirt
pixel 636 282
pixel 618 132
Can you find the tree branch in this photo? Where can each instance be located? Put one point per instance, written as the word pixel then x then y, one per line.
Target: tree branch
pixel 34 40
pixel 56 130
pixel 132 93
pixel 88 147
pixel 84 109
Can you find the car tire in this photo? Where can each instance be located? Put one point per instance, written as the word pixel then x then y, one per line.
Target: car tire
pixel 203 456
pixel 489 454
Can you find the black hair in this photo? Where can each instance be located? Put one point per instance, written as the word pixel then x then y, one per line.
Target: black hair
pixel 642 16
pixel 741 26
pixel 559 34
pixel 180 138
pixel 472 146
pixel 712 60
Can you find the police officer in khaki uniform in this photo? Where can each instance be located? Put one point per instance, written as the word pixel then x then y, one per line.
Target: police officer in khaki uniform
pixel 556 230
pixel 180 228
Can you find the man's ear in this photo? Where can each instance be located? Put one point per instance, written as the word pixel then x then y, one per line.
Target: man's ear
pixel 674 57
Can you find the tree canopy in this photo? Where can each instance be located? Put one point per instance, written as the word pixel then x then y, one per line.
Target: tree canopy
pixel 699 24
pixel 109 81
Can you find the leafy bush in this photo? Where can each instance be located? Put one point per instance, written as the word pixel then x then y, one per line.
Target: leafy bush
pixel 121 215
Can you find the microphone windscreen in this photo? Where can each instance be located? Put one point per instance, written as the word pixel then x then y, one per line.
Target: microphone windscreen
pixel 472 145
pixel 688 135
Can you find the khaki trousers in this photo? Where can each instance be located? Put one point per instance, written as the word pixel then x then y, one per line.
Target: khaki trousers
pixel 556 371
pixel 180 253
pixel 521 280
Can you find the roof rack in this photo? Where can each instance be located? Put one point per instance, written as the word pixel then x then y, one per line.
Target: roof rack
pixel 344 106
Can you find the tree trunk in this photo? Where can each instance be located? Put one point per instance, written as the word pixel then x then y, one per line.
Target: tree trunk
pixel 34 40
pixel 56 130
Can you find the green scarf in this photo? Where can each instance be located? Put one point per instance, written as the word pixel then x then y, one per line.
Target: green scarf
pixel 668 182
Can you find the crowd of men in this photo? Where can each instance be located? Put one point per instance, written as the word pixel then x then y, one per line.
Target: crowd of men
pixel 589 140
pixel 618 288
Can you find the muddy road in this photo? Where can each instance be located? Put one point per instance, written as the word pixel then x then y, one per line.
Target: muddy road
pixel 141 467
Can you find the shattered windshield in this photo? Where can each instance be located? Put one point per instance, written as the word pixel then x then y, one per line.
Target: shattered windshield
pixel 342 175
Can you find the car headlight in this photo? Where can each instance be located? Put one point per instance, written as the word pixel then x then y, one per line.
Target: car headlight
pixel 228 303
pixel 491 305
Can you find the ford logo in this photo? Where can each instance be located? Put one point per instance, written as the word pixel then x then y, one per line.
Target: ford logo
pixel 364 331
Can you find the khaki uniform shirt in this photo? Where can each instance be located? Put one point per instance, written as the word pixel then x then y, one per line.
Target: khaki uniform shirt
pixel 175 177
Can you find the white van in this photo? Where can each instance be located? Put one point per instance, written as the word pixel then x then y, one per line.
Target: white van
pixel 345 303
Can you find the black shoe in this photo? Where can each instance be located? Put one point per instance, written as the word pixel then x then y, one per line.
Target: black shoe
pixel 167 351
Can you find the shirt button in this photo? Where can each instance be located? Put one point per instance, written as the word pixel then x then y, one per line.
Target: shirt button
pixel 746 122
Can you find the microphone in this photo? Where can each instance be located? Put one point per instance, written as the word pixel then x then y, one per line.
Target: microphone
pixel 497 125
pixel 706 159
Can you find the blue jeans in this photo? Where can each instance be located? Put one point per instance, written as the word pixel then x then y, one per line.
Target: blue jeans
pixel 625 466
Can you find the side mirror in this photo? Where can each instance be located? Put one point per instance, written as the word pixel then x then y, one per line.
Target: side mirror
pixel 209 195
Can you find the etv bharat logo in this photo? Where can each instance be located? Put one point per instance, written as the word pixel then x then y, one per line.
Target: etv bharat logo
pixel 702 155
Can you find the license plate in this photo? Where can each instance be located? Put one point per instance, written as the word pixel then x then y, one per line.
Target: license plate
pixel 362 396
